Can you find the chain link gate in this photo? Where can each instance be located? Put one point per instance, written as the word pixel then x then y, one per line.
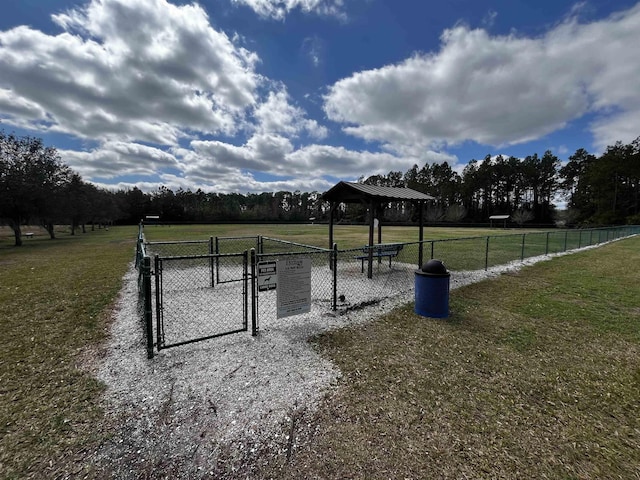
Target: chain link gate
pixel 192 306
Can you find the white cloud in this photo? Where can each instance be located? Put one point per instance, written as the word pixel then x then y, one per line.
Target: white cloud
pixel 18 108
pixel 275 155
pixel 343 163
pixel 277 115
pixel 622 126
pixel 279 9
pixel 214 166
pixel 313 49
pixel 489 18
pixel 128 69
pixel 222 167
pixel 125 73
pixel 244 182
pixel 115 158
pixel 499 90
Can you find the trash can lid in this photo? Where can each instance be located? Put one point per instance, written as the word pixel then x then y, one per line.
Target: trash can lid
pixel 435 266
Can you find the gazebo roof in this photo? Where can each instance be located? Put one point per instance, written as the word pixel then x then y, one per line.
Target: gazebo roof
pixel 349 192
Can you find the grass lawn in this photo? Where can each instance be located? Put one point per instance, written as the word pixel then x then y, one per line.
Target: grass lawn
pixel 55 299
pixel 346 236
pixel 534 374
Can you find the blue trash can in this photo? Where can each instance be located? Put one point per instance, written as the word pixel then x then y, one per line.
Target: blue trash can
pixel 432 290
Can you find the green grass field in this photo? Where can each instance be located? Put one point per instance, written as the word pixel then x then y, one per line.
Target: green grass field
pixel 346 236
pixel 535 374
pixel 55 299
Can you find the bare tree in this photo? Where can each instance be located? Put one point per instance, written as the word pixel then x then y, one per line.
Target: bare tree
pixel 434 213
pixel 521 216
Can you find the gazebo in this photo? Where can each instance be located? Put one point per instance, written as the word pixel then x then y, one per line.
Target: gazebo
pixel 374 196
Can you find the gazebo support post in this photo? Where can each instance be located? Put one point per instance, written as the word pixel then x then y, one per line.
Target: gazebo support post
pixel 379 217
pixel 420 233
pixel 372 215
pixel 332 209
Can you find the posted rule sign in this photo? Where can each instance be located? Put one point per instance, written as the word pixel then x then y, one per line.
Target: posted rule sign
pixel 294 286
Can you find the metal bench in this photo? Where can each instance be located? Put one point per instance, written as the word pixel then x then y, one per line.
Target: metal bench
pixel 390 250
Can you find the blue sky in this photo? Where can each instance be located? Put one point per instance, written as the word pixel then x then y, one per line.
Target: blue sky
pixel 266 95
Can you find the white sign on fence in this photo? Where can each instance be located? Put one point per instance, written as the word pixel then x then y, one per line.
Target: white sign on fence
pixel 294 286
pixel 267 277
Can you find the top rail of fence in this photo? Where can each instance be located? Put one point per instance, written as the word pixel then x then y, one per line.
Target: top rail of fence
pixel 195 257
pixel 240 237
pixel 301 245
pixel 634 229
pixel 177 242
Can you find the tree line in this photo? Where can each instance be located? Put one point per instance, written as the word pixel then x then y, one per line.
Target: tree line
pixel 37 187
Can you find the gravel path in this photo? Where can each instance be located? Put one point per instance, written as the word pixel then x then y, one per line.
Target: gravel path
pixel 210 408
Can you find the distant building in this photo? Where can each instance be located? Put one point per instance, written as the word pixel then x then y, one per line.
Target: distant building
pixel 498 219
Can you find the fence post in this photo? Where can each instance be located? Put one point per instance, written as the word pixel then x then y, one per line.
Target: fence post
pixel 211 261
pixel 217 264
pixel 334 266
pixel 524 235
pixel 158 269
pixel 245 306
pixel 432 242
pixel 486 255
pixel 148 316
pixel 579 238
pixel 254 297
pixel 546 247
pixel 566 233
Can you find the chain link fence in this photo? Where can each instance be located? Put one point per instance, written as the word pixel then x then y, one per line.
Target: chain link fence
pixel 228 245
pixel 180 248
pixel 459 254
pixel 266 295
pixel 145 308
pixel 235 244
pixel 208 288
pixel 391 274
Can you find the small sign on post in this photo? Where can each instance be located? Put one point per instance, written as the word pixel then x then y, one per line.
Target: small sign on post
pixel 294 286
pixel 267 276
